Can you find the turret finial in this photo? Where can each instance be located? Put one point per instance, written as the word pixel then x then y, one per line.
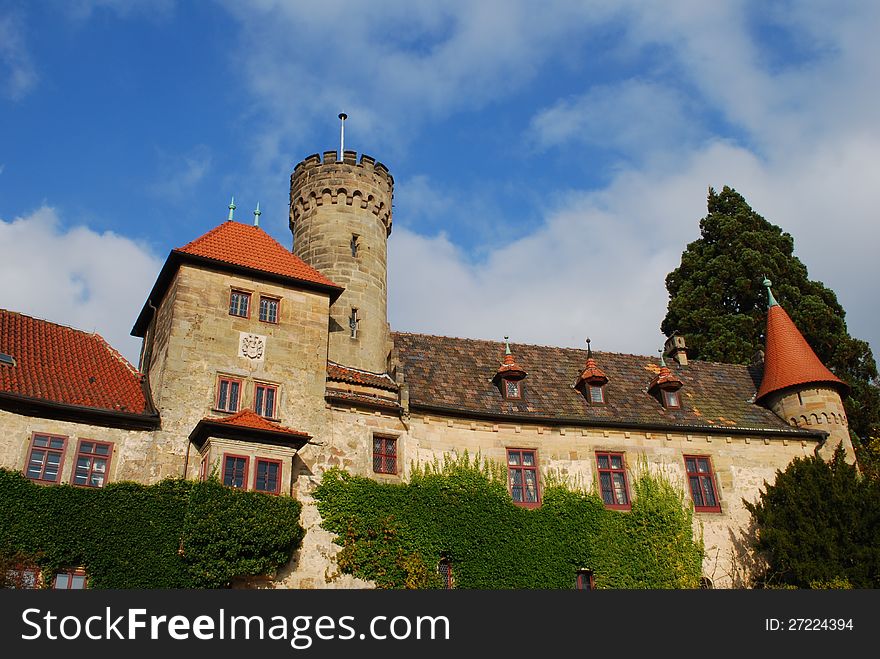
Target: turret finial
pixel 506 345
pixel 231 210
pixel 342 118
pixel 257 214
pixel 589 349
pixel 662 358
pixel 771 301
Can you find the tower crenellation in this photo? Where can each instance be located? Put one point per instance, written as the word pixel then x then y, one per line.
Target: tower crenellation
pixel 340 217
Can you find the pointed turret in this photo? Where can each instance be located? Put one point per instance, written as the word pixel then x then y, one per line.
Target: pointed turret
pixel 797 386
pixel 789 361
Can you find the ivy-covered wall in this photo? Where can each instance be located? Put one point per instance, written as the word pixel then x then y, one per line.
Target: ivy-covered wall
pixel 175 534
pixel 396 534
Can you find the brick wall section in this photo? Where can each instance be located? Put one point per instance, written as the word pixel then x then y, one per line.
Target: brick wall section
pixel 330 201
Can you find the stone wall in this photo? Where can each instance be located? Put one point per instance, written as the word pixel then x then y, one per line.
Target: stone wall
pixel 330 202
pixel 816 408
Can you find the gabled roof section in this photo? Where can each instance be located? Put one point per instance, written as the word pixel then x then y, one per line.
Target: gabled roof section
pixel 247 425
pixel 62 367
pixel 242 249
pixel 250 247
pixel 788 359
pixel 448 376
pixel 339 373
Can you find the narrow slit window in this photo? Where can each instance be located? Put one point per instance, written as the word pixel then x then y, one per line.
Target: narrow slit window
pixel 354 323
pixel 355 245
pixel 584 580
pixel 444 569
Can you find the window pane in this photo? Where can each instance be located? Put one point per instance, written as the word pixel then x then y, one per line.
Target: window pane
pixel 528 458
pixel 596 394
pixel 531 490
pixel 391 447
pixel 77 581
pixel 696 492
pixel 102 449
pixel 690 465
pixel 87 447
pixel 233 396
pixel 513 457
pixel 620 489
pixel 258 402
pixel 377 444
pixel 270 402
pixel 603 462
pixel 703 465
pixel 224 393
pixel 62 581
pixel 709 489
pixel 605 482
pixel 616 462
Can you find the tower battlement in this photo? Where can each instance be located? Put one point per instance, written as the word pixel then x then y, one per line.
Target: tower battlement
pixel 366 184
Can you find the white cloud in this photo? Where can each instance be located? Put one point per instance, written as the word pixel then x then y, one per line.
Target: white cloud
pixel 634 116
pixel 180 173
pixel 88 280
pixel 17 73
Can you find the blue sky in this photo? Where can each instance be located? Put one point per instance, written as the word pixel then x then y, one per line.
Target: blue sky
pixel 551 159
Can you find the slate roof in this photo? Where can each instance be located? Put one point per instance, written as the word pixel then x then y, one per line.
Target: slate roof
pixel 61 365
pixel 455 375
pixel 789 360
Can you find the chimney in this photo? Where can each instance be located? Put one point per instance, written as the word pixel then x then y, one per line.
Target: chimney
pixel 675 347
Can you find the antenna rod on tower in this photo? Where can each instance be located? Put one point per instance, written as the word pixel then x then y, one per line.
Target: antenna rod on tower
pixel 342 118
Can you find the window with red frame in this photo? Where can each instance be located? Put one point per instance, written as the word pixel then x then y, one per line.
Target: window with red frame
pixel 702 483
pixel 203 468
pixel 512 389
pixel 265 396
pixel 584 580
pixel 268 309
pixel 228 393
pixel 522 470
pixel 612 480
pixel 45 458
pixel 235 468
pixel 70 580
pixel 239 304
pixel 267 476
pixel 444 569
pixel 385 455
pixel 21 577
pixel 92 462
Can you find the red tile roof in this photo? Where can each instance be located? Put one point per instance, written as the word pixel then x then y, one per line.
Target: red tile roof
pixel 788 358
pixel 592 374
pixel 59 364
pixel 250 247
pixel 510 369
pixel 665 379
pixel 247 418
pixel 340 373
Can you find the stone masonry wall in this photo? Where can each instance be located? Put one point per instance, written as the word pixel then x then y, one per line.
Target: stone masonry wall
pixel 329 203
pixel 816 408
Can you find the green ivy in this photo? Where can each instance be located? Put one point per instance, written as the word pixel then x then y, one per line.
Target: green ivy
pixel 175 534
pixel 396 534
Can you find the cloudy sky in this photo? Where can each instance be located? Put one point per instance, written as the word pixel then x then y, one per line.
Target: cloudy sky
pixel 551 159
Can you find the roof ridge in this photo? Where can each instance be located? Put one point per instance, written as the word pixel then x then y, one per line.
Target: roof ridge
pixel 360 370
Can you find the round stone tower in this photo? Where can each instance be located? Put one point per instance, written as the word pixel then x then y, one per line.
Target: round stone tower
pixel 340 217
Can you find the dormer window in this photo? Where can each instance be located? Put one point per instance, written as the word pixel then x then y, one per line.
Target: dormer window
pixel 592 380
pixel 512 389
pixel 671 399
pixel 509 376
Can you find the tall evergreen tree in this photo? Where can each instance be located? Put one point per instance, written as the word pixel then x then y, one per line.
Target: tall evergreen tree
pixel 717 302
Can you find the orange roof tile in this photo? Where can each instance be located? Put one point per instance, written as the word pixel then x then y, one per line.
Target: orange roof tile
pixel 247 418
pixel 249 246
pixel 788 358
pixel 592 374
pixel 58 364
pixel 665 379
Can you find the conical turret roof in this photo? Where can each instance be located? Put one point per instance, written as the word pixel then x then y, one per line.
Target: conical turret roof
pixel 788 358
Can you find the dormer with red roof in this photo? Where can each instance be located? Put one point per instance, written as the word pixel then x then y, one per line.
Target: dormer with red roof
pixel 592 380
pixel 797 386
pixel 234 321
pixel 510 375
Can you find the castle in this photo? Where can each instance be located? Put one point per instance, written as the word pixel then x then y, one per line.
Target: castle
pixel 268 366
